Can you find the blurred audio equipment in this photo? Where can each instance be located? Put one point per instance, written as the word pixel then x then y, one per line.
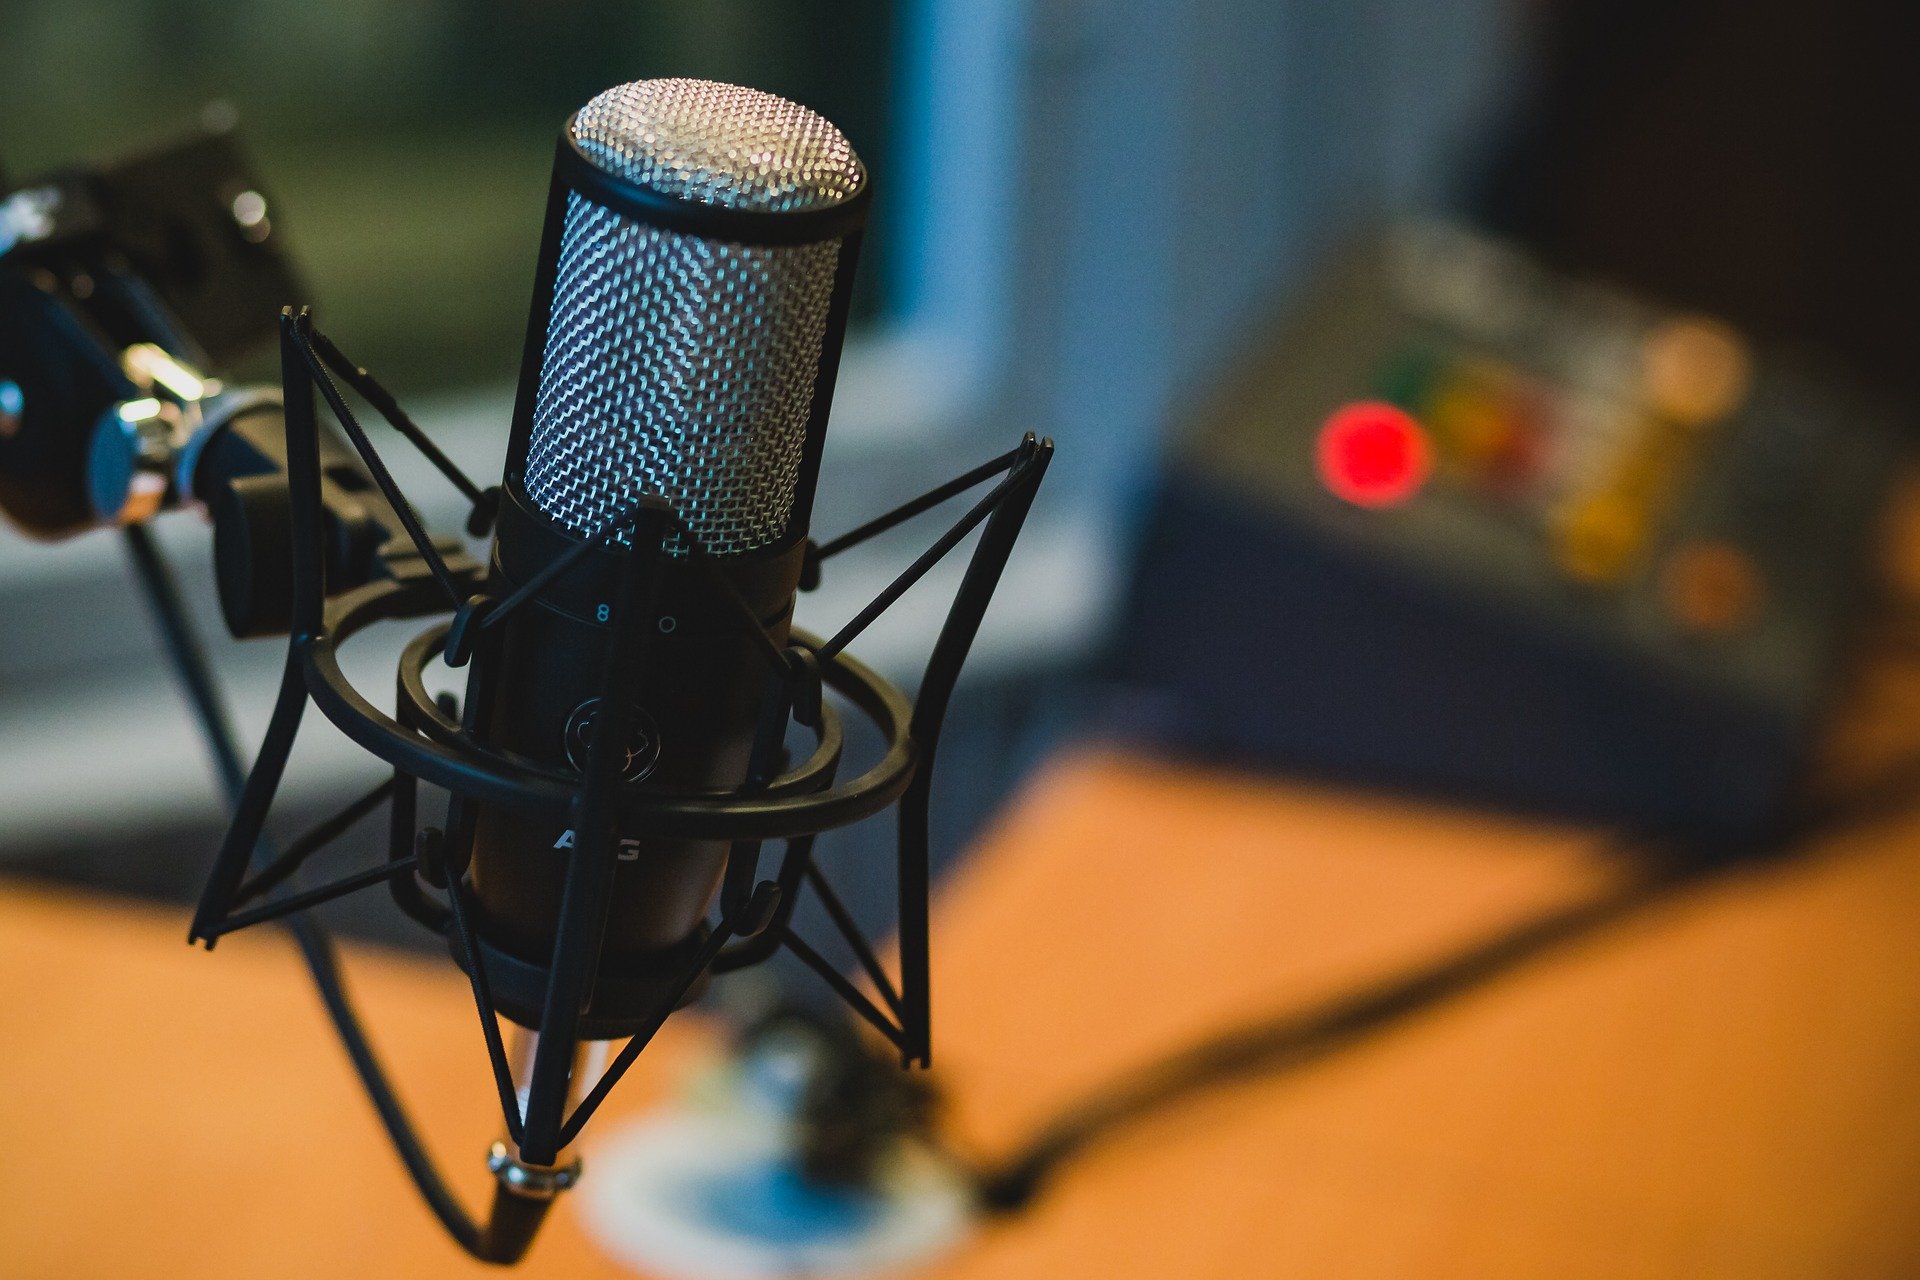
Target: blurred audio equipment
pixel 119 289
pixel 1466 526
pixel 621 754
pixel 802 1152
pixel 118 286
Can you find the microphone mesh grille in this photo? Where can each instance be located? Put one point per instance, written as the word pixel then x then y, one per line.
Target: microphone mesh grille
pixel 676 364
pixel 719 144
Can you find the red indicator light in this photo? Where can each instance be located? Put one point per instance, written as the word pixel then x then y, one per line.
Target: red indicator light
pixel 1373 455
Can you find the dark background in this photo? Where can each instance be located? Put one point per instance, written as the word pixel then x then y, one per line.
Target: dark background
pixel 411 142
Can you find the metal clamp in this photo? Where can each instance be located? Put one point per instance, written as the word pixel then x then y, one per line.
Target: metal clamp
pixel 530 1181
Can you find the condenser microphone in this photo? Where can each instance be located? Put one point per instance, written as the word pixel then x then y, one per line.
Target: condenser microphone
pixel 619 757
pixel 686 327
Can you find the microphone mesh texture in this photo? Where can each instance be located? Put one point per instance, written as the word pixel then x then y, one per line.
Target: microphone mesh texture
pixel 676 364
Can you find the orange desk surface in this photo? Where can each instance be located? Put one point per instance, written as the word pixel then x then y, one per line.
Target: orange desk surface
pixel 1726 1084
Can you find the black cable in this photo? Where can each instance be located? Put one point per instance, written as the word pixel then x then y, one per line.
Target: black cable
pixel 188 657
pixel 1298 1038
pixel 316 948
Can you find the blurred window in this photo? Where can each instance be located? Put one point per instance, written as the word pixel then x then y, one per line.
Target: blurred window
pixel 409 143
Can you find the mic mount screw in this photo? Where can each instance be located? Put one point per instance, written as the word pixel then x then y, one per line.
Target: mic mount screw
pixel 531 1181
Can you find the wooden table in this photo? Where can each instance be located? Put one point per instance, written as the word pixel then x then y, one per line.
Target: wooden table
pixel 1726 1084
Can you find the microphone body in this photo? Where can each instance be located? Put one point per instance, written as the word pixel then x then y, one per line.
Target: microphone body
pixel 685 332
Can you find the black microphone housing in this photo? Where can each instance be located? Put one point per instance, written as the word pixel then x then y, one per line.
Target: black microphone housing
pixel 537 694
pixel 533 691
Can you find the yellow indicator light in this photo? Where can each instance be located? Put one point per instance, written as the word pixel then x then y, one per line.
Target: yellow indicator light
pixel 1597 538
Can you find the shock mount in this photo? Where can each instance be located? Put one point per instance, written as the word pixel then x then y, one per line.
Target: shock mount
pixel 570 995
